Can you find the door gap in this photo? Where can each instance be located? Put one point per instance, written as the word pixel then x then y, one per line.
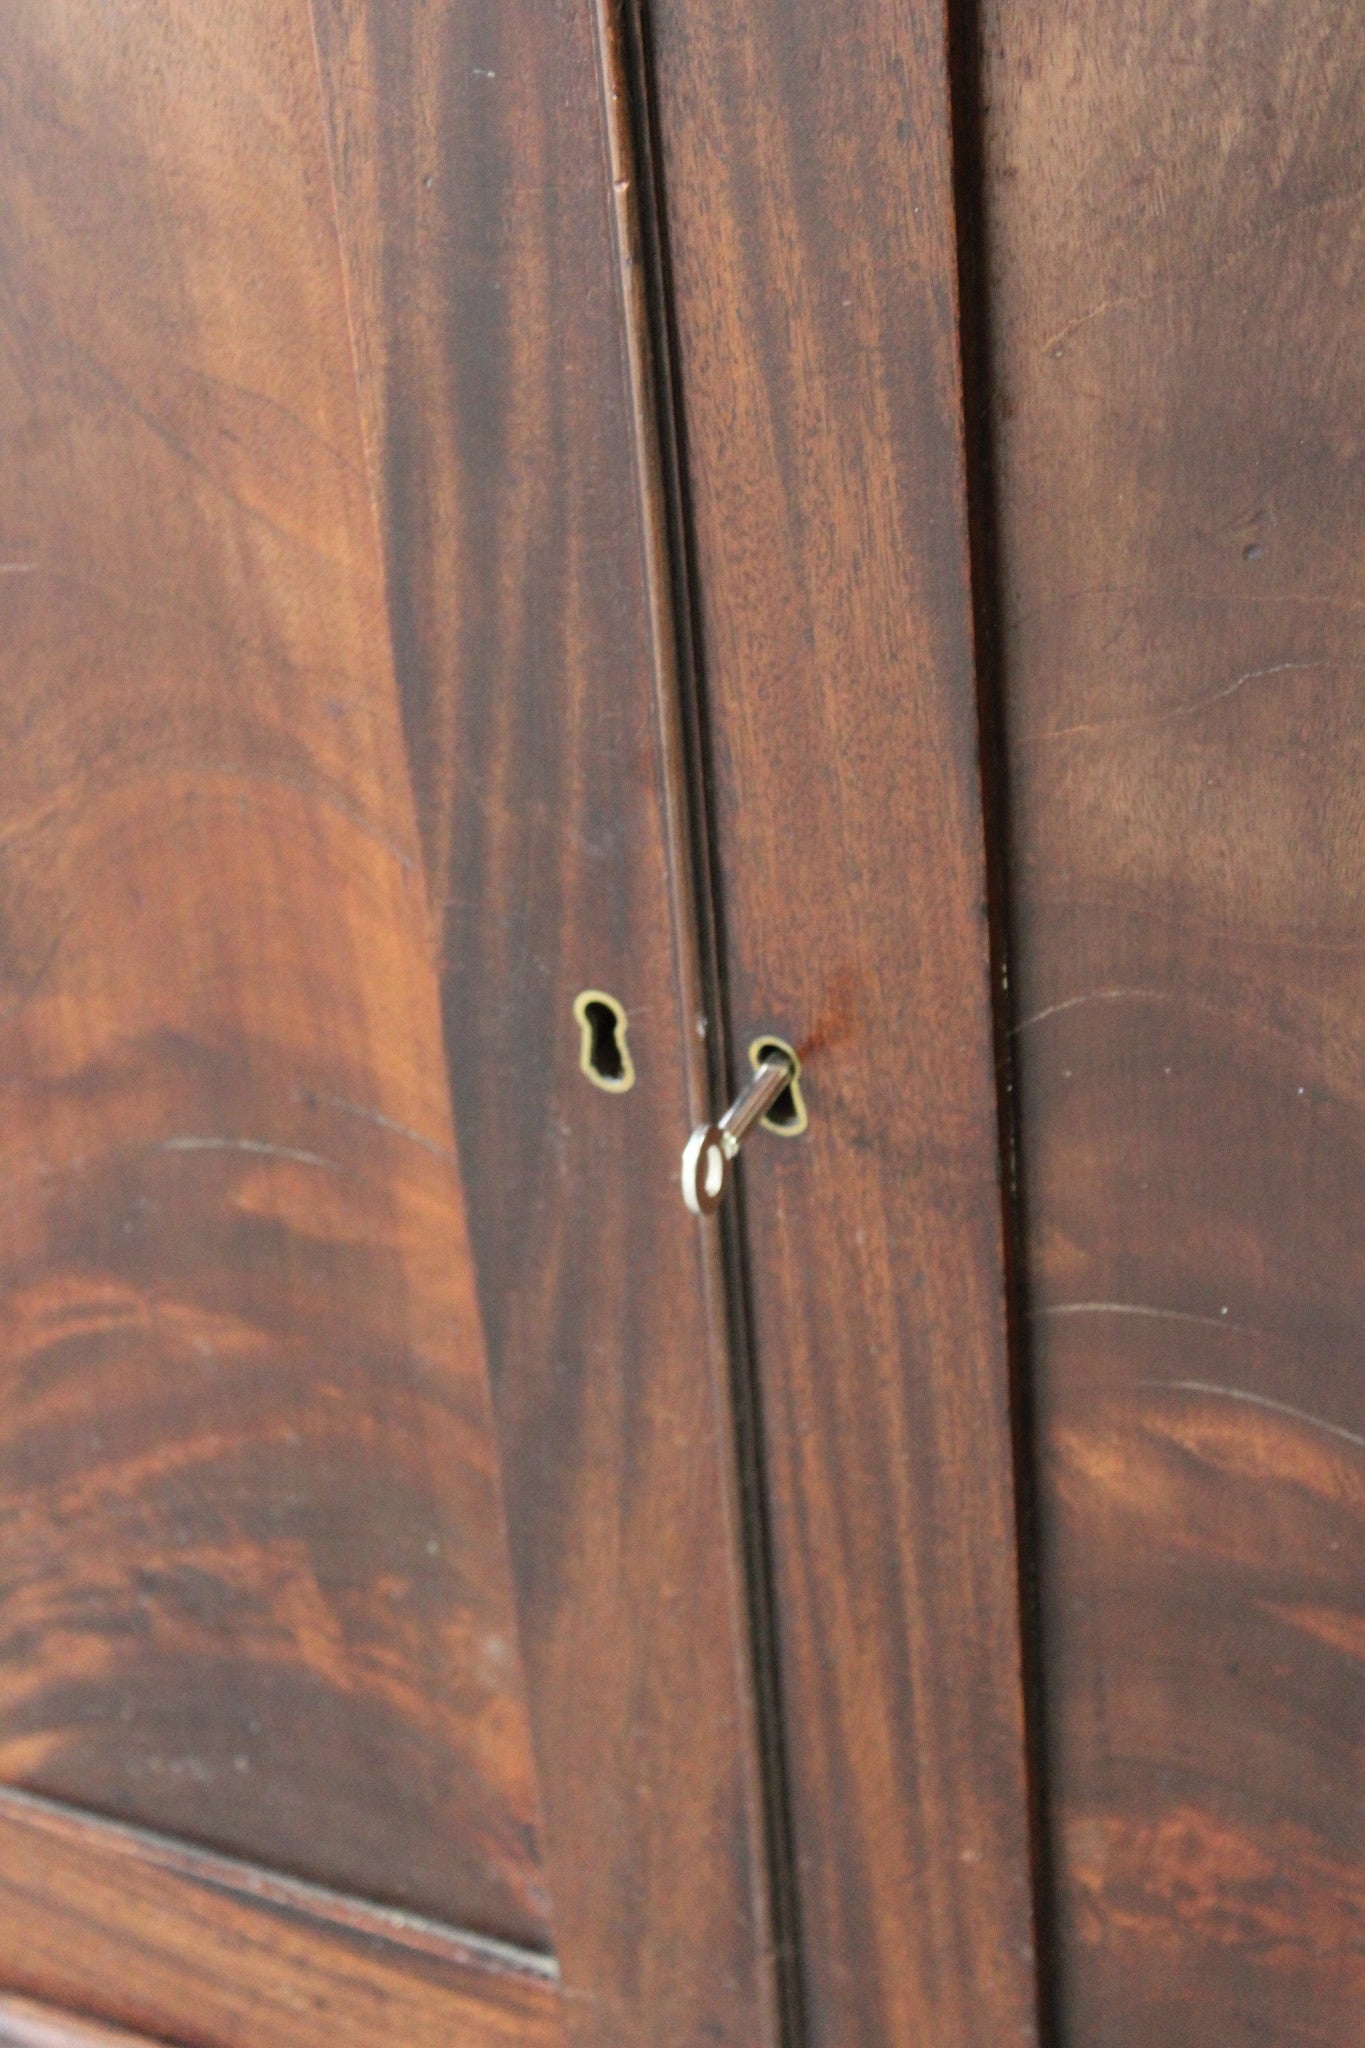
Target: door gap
pixel 626 61
pixel 972 222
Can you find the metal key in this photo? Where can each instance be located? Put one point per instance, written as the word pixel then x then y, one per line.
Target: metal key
pixel 708 1152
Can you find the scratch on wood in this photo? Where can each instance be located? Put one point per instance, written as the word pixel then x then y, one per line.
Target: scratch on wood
pixel 1335 1429
pixel 1056 342
pixel 256 1145
pixel 1139 1308
pixel 1094 995
pixel 373 1116
pixel 1192 705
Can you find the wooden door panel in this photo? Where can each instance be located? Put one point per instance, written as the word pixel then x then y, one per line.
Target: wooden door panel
pixel 805 157
pixel 475 205
pixel 253 1582
pixel 1177 291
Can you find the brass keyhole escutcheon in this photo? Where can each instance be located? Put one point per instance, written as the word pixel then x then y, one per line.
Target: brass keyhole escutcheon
pixel 603 1053
pixel 787 1116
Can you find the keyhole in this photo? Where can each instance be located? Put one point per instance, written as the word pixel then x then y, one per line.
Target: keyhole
pixel 787 1118
pixel 603 1053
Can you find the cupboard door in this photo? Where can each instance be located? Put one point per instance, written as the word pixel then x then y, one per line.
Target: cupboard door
pixel 809 219
pixel 254 1590
pixel 1177 296
pixel 476 209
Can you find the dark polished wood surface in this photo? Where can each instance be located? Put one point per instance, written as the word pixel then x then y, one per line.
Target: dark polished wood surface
pixel 805 158
pixel 475 209
pixel 197 1949
pixel 253 1580
pixel 336 614
pixel 1177 284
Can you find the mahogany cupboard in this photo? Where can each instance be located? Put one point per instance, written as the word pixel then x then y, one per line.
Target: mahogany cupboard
pixel 544 547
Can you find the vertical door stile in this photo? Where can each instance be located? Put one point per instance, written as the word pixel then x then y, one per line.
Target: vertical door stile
pixel 639 236
pixel 805 171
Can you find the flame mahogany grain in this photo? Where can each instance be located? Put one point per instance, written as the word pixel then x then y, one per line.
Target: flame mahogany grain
pixel 254 1586
pixel 1177 296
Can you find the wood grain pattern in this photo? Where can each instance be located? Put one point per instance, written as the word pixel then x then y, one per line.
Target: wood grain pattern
pixel 805 165
pixel 194 1948
pixel 1178 296
pixel 475 207
pixel 253 1582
